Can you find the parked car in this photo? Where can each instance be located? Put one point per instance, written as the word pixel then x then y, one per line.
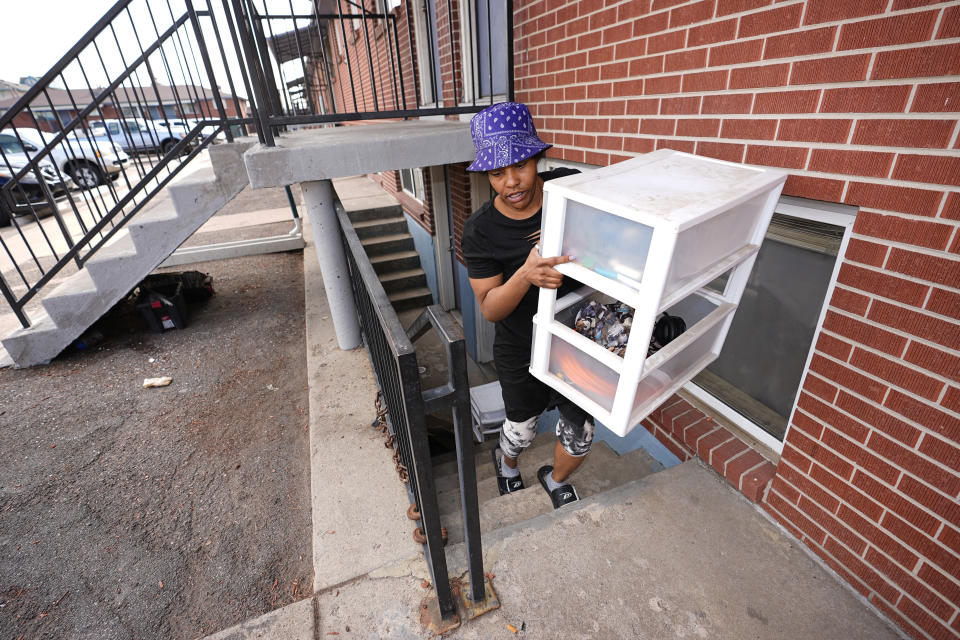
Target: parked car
pixel 135 135
pixel 29 190
pixel 89 161
pixel 186 125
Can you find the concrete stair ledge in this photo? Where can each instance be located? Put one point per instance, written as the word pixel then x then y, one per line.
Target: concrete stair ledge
pixel 77 291
pixel 119 255
pixel 372 207
pixel 382 226
pixel 601 472
pixel 387 262
pixel 410 298
pixel 227 159
pixel 591 478
pixel 388 243
pixel 445 474
pixel 32 343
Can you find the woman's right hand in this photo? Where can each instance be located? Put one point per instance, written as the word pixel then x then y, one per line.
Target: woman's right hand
pixel 540 272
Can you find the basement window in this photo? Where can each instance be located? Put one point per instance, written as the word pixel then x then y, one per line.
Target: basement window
pixel 756 379
pixel 411 181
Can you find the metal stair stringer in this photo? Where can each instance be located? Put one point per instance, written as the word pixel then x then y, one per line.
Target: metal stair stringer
pixel 145 242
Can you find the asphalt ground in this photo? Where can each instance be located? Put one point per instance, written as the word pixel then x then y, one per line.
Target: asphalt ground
pixel 170 512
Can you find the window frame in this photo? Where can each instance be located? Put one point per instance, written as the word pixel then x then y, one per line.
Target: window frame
pixel 416 176
pixel 815 211
pixel 423 40
pixel 470 57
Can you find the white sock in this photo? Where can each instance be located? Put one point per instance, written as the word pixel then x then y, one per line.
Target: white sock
pixel 508 472
pixel 551 483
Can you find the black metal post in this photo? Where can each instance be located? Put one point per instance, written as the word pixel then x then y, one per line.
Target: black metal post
pixel 256 77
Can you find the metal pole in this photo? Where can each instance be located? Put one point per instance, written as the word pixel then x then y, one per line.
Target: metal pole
pixel 207 67
pixel 318 197
pixel 263 110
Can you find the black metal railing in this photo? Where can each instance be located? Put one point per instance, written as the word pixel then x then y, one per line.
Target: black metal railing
pixel 355 63
pixel 102 132
pixel 394 361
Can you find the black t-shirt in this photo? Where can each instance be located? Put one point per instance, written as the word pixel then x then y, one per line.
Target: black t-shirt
pixel 494 244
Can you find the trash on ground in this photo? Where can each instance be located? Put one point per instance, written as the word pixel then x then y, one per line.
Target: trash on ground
pixel 512 628
pixel 156 382
pixel 88 340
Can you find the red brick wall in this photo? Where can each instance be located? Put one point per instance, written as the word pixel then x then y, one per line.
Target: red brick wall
pixel 858 100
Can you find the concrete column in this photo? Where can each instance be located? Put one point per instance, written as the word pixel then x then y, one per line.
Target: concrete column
pixel 318 197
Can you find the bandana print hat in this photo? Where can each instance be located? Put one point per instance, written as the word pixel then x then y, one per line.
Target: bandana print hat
pixel 503 134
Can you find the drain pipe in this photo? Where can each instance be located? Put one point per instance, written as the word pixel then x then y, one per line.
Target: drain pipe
pixel 318 197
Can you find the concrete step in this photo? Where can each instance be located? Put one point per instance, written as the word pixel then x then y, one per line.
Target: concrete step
pixel 445 475
pixel 531 460
pixel 70 298
pixel 34 344
pixel 390 243
pixel 395 261
pixel 603 470
pixel 143 227
pixel 380 227
pixel 410 298
pixel 395 281
pixel 374 213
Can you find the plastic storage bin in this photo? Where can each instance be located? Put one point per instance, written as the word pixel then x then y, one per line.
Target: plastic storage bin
pixel 651 232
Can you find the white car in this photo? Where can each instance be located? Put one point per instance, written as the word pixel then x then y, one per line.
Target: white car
pixel 89 161
pixel 136 135
pixel 186 125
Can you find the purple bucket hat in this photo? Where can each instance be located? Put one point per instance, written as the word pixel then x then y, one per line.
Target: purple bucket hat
pixel 503 134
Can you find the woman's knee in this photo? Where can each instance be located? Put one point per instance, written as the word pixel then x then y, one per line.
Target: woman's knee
pixel 576 438
pixel 517 436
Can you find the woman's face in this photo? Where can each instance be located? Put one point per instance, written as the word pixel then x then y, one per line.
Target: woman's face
pixel 518 185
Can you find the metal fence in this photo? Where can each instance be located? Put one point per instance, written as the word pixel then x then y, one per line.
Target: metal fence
pixel 350 60
pixel 394 362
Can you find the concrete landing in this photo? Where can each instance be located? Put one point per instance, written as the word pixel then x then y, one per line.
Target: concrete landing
pixel 675 555
pixel 336 152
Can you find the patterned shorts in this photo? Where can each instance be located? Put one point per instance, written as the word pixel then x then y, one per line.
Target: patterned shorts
pixel 525 398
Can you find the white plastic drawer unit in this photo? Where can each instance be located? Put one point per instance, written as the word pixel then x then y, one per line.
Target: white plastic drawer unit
pixel 652 232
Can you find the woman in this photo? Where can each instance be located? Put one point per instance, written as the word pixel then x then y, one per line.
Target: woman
pixel 506 271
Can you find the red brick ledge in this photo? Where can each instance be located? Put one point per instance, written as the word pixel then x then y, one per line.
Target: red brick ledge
pixel 687 432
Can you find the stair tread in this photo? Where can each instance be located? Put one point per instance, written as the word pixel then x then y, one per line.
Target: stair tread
pixel 396 255
pixel 366 224
pixel 79 283
pixel 407 294
pixel 588 480
pixel 122 246
pixel 157 215
pixel 400 274
pixel 602 471
pixel 390 237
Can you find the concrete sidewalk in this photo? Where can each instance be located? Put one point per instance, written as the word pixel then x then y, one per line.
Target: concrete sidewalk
pixel 678 554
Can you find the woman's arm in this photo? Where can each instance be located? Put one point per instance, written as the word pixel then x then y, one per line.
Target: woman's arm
pixel 498 299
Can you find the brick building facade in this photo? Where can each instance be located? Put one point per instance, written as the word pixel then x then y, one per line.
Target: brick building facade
pixel 858 101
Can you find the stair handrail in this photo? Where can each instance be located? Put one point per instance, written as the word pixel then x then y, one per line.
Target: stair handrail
pixel 393 359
